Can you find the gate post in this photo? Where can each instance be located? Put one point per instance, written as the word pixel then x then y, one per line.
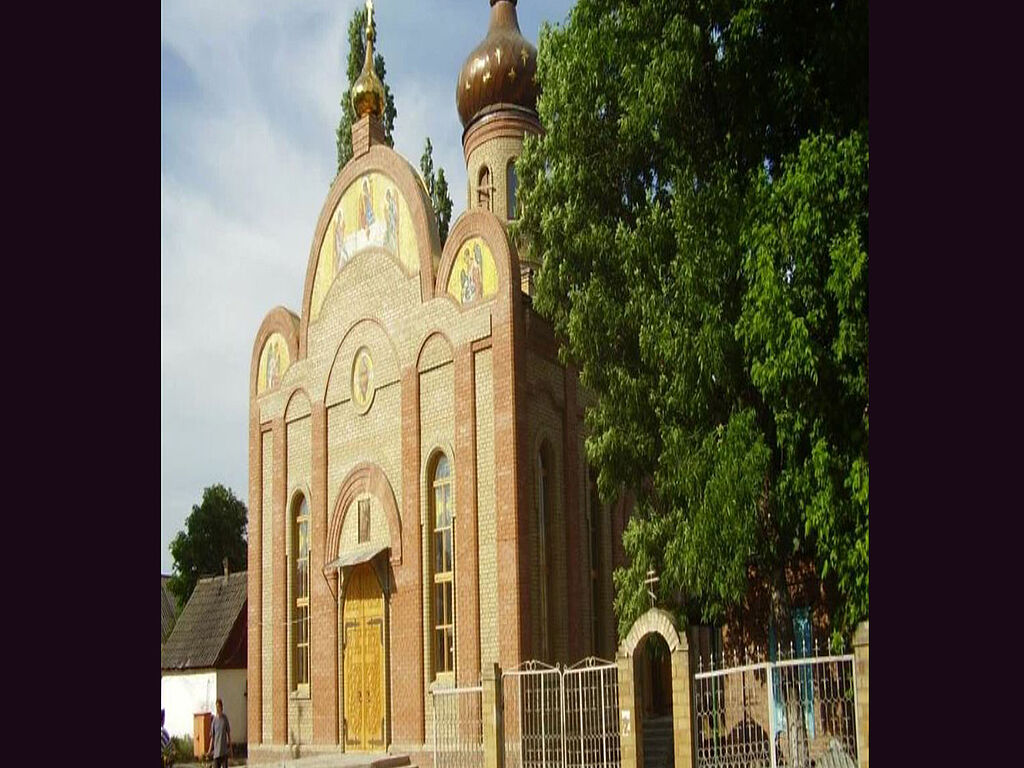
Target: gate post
pixel 860 683
pixel 628 742
pixel 493 718
pixel 682 704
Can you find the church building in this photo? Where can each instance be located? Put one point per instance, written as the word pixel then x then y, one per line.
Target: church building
pixel 420 506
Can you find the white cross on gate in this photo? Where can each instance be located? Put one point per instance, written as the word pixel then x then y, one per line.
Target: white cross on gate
pixel 650 581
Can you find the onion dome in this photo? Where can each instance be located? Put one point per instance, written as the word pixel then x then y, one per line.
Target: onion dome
pixel 368 91
pixel 500 70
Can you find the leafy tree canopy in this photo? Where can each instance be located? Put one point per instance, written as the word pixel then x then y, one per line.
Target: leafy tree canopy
pixel 356 55
pixel 699 202
pixel 437 187
pixel 214 530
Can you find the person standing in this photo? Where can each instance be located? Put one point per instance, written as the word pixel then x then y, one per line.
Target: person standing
pixel 220 737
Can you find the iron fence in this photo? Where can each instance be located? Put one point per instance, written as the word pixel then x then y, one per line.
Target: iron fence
pixel 458 727
pixel 590 690
pixel 787 713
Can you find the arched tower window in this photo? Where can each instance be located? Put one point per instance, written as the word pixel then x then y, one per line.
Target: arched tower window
pixel 443 546
pixel 511 188
pixel 484 188
pixel 300 593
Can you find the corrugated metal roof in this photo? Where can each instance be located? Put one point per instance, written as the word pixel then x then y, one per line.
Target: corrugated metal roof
pixel 204 626
pixel 357 555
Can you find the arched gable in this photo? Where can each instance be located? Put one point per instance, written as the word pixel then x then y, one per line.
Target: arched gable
pixel 386 162
pixel 281 321
pixel 365 478
pixel 488 227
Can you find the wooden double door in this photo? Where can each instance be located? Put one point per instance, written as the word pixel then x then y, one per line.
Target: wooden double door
pixel 363 652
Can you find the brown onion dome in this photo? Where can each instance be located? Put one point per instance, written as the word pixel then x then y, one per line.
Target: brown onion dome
pixel 502 69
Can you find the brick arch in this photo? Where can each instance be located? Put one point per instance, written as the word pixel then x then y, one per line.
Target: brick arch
pixel 656 621
pixel 280 320
pixel 365 478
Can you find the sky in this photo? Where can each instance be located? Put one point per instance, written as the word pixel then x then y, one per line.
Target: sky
pixel 249 105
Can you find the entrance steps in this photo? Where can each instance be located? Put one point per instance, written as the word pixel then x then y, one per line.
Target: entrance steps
pixel 658 744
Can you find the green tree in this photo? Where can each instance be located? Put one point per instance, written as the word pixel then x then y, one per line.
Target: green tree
pixel 214 530
pixel 699 204
pixel 437 188
pixel 356 55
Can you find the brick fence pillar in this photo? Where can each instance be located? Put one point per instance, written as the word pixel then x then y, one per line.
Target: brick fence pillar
pixel 493 718
pixel 682 701
pixel 628 738
pixel 860 673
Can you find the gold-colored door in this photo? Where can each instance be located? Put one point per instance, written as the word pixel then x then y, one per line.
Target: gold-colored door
pixel 364 661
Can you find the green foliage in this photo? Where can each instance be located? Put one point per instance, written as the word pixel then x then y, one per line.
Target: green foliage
pixel 214 530
pixel 356 55
pixel 437 188
pixel 699 204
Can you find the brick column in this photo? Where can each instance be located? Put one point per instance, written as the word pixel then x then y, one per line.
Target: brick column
pixel 492 717
pixel 323 606
pixel 405 656
pixel 860 671
pixel 467 550
pixel 254 675
pixel 279 600
pixel 682 720
pixel 629 740
pixel 577 632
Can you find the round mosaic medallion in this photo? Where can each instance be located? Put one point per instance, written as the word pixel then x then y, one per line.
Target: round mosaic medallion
pixel 362 380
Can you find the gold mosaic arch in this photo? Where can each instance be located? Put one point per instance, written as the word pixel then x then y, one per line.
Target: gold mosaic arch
pixel 274 361
pixel 371 214
pixel 474 275
pixel 407 183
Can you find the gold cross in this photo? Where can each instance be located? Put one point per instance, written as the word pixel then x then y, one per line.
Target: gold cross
pixel 524 56
pixel 497 54
pixel 512 73
pixel 487 76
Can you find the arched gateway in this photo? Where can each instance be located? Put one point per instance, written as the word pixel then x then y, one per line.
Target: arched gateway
pixel 654 623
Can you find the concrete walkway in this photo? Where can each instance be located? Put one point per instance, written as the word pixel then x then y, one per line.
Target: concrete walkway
pixel 340 760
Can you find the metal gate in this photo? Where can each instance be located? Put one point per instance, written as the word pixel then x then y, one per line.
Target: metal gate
pixel 792 713
pixel 556 717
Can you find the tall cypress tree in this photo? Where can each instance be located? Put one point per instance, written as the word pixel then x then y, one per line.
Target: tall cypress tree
pixel 356 54
pixel 437 187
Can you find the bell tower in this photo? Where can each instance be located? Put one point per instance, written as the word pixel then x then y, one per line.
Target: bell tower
pixel 496 95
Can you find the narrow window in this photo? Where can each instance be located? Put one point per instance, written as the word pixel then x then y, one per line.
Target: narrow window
pixel 364 520
pixel 444 571
pixel 300 590
pixel 511 187
pixel 484 188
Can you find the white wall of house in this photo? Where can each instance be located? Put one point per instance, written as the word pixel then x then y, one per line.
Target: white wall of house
pixel 187 693
pixel 183 694
pixel 231 689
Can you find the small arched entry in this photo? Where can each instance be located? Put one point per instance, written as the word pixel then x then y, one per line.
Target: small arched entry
pixel 363 660
pixel 651 684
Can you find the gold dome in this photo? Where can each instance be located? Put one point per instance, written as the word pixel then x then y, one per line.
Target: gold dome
pixel 367 90
pixel 502 69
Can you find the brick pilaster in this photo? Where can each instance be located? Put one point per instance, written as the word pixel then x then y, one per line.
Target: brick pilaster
pixel 254 702
pixel 280 598
pixel 323 606
pixel 407 638
pixel 860 671
pixel 467 567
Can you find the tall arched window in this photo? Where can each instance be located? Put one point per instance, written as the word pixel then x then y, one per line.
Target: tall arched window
pixel 511 188
pixel 444 569
pixel 300 592
pixel 544 510
pixel 484 188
